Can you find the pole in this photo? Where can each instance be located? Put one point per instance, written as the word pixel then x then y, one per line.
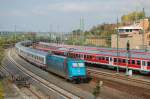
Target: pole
pixel 15 32
pixel 143 30
pixel 128 56
pixel 117 47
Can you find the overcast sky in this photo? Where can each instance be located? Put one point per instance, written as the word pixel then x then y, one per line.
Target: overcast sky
pixel 64 15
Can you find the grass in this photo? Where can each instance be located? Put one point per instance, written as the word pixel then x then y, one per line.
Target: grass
pixel 1 90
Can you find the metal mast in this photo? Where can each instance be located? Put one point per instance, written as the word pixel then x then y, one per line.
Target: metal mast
pixel 15 32
pixel 143 30
pixel 82 28
pixel 117 47
pixel 82 23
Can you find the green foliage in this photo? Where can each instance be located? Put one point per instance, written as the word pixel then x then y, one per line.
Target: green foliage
pixel 1 54
pixel 1 91
pixel 96 90
pixel 131 17
pixel 149 24
pixel 103 30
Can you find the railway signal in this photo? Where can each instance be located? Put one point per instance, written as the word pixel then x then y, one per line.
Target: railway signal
pixel 128 46
pixel 128 57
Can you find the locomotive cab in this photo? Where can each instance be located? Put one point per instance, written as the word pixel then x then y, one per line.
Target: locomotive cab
pixel 77 70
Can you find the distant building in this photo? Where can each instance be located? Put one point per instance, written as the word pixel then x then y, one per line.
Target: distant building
pixel 97 41
pixel 5 33
pixel 9 33
pixel 133 33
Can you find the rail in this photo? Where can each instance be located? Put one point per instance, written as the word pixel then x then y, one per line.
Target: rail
pixel 96 73
pixel 65 94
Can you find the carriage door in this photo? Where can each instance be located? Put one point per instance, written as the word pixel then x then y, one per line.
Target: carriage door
pixel 143 65
pixel 110 61
pixel 82 56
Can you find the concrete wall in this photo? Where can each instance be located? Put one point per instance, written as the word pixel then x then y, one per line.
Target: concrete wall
pixel 97 42
pixel 135 41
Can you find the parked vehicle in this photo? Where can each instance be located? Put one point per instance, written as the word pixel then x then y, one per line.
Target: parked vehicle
pixel 138 60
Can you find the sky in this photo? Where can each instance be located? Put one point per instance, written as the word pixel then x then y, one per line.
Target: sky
pixel 64 15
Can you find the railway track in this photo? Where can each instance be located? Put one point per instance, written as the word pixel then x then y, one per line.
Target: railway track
pixel 10 74
pixel 97 73
pixel 60 91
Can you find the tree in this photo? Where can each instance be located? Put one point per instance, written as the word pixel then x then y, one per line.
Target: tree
pixel 132 17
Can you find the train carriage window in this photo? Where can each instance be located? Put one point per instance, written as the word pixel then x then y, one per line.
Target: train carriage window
pixel 88 56
pixel 97 58
pixel 143 63
pixel 100 58
pixel 103 58
pixel 148 63
pixel 115 59
pixel 119 60
pixel 107 58
pixel 42 59
pixel 78 55
pixel 85 56
pixel 128 61
pixel 133 61
pixel 138 62
pixel 124 60
pixel 91 57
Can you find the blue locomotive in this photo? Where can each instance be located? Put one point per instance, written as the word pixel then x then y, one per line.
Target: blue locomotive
pixel 69 68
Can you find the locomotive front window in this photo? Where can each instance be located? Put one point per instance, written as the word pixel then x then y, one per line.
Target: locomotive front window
pixel 77 65
pixel 81 64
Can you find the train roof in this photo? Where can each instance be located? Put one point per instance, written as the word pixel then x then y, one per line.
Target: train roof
pixel 30 50
pixel 109 52
pixel 114 54
pixel 91 48
pixel 64 57
pixel 36 52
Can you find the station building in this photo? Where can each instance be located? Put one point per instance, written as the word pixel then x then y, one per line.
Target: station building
pixel 137 34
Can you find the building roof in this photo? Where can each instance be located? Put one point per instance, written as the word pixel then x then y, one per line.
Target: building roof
pixel 135 26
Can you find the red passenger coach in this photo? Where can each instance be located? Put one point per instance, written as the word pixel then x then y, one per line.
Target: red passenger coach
pixel 135 60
